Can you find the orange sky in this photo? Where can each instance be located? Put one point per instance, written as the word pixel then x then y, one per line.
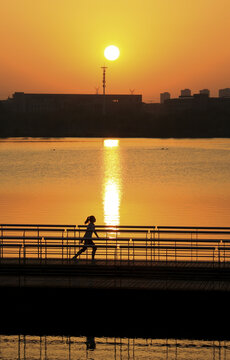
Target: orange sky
pixel 57 46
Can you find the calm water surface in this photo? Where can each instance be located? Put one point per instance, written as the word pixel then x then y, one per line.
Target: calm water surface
pixel 63 347
pixel 124 181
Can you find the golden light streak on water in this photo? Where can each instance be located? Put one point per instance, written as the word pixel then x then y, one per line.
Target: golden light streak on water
pixel 111 203
pixel 111 143
pixel 112 182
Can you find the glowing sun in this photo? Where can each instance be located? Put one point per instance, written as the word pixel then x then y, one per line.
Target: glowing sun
pixel 111 52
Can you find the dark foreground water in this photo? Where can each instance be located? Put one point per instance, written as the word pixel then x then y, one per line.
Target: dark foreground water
pixel 95 324
pixel 16 347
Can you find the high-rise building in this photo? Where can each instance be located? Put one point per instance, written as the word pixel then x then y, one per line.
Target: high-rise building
pixel 164 96
pixel 185 93
pixel 205 92
pixel 224 93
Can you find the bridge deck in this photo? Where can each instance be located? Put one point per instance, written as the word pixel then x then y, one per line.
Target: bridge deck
pixel 116 263
pixel 102 274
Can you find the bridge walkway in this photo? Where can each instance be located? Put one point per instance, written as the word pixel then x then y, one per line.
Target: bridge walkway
pixel 109 274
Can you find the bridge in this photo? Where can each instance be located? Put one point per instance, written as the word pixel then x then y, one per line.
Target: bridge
pixel 154 281
pixel 127 257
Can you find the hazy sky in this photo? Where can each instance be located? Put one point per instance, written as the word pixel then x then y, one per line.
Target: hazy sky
pixel 57 46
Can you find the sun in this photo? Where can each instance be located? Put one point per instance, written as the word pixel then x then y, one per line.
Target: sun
pixel 111 52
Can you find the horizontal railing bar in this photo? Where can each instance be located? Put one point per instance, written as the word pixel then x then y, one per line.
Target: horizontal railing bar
pixel 71 238
pixel 168 247
pixel 114 230
pixel 9 237
pixel 36 229
pixel 21 237
pixel 94 239
pixel 38 225
pixel 194 240
pixel 224 248
pixel 121 246
pixel 138 239
pixel 59 238
pixel 10 245
pixel 72 230
pixel 187 232
pixel 123 230
pixel 117 226
pixel 67 246
pixel 120 226
pixel 111 227
pixel 193 227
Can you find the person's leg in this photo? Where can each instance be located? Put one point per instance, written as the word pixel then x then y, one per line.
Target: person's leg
pixel 94 249
pixel 80 252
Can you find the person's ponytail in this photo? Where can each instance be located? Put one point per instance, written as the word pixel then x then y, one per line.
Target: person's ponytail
pixel 87 220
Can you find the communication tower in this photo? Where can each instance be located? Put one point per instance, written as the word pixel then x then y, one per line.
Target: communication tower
pixel 103 78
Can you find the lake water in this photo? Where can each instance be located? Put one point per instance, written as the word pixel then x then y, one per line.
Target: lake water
pixel 100 348
pixel 123 181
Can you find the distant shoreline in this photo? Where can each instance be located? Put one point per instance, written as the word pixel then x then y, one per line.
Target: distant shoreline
pixel 178 125
pixel 64 138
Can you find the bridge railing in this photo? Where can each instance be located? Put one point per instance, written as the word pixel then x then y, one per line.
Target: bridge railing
pixel 131 243
pixel 131 250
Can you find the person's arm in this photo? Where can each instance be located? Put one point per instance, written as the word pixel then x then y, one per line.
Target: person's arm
pixel 96 234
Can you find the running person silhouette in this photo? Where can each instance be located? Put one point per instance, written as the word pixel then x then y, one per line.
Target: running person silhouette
pixel 88 237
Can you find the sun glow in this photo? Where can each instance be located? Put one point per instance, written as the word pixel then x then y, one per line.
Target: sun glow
pixel 111 52
pixel 111 143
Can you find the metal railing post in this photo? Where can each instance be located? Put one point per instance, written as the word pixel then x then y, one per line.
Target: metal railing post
pixel 1 251
pixel 19 254
pixel 62 249
pixel 44 239
pixel 133 251
pixel 106 242
pixel 24 253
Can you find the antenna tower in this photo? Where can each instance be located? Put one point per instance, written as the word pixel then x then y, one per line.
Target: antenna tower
pixel 103 79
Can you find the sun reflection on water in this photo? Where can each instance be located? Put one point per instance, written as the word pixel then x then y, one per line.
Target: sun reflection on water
pixel 111 143
pixel 112 182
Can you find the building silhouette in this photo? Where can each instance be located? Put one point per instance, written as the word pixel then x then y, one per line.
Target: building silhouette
pixel 190 103
pixel 164 96
pixel 63 115
pixel 185 93
pixel 224 93
pixel 39 103
pixel 205 92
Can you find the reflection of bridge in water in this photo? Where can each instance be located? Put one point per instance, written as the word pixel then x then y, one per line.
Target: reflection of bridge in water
pixel 71 347
pixel 152 257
